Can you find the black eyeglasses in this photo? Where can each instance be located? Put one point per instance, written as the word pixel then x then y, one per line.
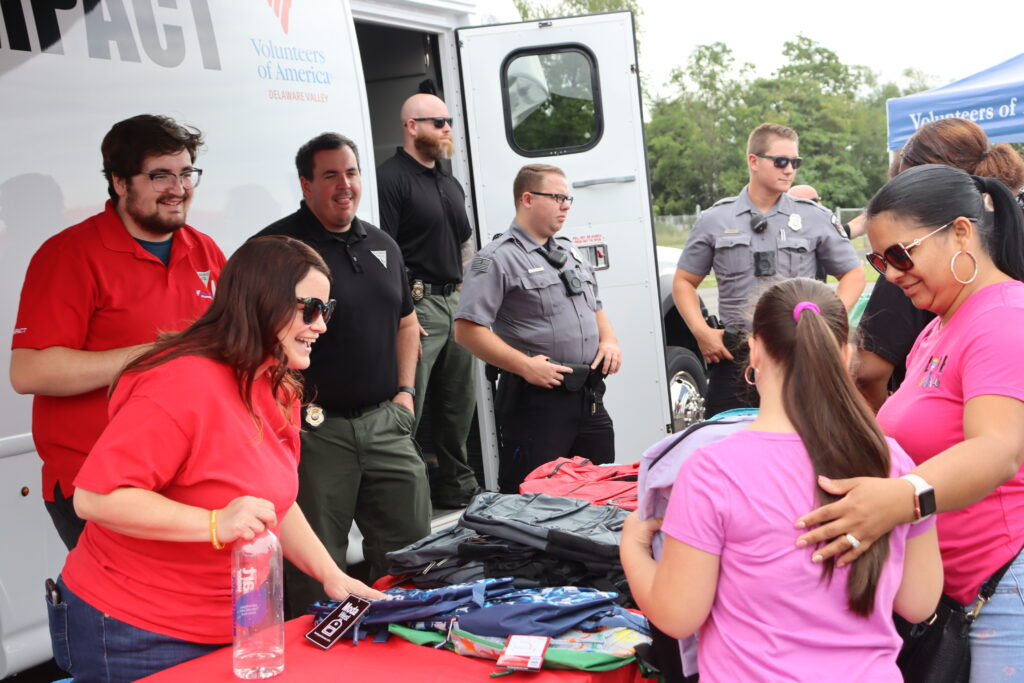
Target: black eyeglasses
pixel 782 162
pixel 311 306
pixel 165 180
pixel 439 121
pixel 560 198
pixel 898 255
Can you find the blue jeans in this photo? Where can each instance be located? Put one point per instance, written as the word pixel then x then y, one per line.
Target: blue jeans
pixel 997 637
pixel 92 646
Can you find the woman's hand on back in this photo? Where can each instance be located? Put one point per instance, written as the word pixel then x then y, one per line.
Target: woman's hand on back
pixel 244 518
pixel 870 507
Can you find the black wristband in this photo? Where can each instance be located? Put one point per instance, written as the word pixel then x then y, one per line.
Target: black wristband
pixel 409 390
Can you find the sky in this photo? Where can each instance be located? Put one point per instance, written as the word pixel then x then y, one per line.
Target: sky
pixel 887 37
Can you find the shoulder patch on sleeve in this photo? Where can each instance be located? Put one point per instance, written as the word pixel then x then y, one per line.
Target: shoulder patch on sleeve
pixel 843 231
pixel 480 264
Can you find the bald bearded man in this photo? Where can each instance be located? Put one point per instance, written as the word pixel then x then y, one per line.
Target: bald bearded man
pixel 424 209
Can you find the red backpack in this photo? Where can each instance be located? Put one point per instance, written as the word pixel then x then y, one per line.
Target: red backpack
pixel 579 478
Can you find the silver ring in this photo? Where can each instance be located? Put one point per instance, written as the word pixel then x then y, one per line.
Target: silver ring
pixel 852 540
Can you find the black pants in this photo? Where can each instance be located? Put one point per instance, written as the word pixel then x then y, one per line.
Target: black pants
pixel 726 387
pixel 62 511
pixel 537 425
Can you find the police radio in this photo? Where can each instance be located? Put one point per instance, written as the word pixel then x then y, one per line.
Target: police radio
pixel 570 278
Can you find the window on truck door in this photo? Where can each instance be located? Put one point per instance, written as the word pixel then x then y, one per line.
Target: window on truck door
pixel 552 100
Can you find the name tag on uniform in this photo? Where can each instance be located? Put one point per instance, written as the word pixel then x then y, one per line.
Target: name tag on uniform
pixel 535 270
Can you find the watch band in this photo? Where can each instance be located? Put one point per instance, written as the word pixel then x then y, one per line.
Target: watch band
pixel 924 497
pixel 409 390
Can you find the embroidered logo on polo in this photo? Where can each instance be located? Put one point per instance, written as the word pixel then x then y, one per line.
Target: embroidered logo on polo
pixel 933 372
pixel 382 256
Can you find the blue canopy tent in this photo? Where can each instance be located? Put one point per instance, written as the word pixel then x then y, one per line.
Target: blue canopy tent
pixel 993 98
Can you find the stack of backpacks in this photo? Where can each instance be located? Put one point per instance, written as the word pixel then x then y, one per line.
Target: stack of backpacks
pixel 537 539
pixel 588 630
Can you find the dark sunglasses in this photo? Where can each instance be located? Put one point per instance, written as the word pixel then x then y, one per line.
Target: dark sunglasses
pixel 311 306
pixel 439 121
pixel 898 255
pixel 782 162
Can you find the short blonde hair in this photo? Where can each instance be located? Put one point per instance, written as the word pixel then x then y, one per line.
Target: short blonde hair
pixel 761 137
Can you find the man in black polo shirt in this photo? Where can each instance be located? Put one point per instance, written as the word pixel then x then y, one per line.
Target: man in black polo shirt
pixel 424 209
pixel 358 458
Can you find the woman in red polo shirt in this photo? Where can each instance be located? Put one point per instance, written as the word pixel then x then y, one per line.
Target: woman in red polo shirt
pixel 202 449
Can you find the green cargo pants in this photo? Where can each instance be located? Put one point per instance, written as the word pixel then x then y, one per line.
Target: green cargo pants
pixel 446 374
pixel 365 469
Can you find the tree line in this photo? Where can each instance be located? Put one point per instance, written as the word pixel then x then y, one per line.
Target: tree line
pixel 697 134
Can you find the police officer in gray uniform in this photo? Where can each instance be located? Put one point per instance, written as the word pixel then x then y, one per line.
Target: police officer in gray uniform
pixel 530 308
pixel 752 240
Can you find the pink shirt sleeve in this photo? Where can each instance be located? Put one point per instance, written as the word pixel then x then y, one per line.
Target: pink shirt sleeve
pixel 698 510
pixel 992 362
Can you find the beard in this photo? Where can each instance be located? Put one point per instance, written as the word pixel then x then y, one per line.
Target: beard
pixel 152 221
pixel 434 148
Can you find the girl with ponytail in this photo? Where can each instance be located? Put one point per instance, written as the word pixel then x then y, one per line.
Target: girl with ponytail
pixel 954 243
pixel 731 566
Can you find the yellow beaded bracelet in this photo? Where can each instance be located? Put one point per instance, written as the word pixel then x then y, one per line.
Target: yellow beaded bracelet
pixel 213 530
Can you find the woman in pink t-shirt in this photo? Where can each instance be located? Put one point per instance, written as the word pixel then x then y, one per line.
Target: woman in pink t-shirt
pixel 201 451
pixel 730 565
pixel 960 411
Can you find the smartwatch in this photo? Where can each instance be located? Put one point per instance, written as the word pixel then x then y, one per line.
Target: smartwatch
pixel 924 497
pixel 409 390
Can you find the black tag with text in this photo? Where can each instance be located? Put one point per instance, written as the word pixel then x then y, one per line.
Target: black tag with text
pixel 338 622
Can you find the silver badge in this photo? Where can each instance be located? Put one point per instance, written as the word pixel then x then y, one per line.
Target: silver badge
pixel 576 254
pixel 314 415
pixel 795 222
pixel 417 290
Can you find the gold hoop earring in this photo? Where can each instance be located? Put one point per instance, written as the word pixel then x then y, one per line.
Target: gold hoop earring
pixel 952 267
pixel 750 375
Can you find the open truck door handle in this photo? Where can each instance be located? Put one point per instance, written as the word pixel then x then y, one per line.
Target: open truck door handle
pixel 605 181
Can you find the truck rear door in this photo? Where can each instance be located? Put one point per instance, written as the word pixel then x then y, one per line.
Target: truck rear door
pixel 566 92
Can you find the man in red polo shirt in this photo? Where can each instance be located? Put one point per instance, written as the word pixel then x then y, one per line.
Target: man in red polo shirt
pixel 99 292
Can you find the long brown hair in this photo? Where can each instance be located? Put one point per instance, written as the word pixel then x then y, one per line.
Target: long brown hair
pixel 964 145
pixel 255 299
pixel 835 424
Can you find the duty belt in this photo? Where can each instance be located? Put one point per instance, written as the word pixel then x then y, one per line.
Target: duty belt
pixel 421 289
pixel 579 377
pixel 314 415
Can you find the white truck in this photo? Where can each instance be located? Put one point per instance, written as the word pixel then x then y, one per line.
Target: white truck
pixel 259 79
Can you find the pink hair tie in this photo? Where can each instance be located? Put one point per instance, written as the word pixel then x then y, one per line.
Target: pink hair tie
pixel 804 306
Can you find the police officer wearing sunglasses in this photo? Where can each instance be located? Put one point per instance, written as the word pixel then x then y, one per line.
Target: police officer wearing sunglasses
pixel 751 240
pixel 424 209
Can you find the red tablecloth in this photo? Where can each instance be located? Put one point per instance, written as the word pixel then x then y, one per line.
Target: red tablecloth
pixel 395 660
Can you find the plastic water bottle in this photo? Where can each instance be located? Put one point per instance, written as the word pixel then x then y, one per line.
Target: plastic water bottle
pixel 257 601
